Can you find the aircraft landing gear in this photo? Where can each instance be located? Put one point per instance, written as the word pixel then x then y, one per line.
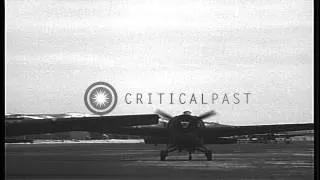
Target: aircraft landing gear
pixel 208 154
pixel 163 155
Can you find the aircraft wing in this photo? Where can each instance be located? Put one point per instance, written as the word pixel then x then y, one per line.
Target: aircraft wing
pixel 24 124
pixel 143 131
pixel 215 132
pixel 161 135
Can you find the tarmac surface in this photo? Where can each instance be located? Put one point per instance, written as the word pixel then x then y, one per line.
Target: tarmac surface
pixel 142 161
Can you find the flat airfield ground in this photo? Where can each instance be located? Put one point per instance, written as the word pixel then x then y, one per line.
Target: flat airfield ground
pixel 141 161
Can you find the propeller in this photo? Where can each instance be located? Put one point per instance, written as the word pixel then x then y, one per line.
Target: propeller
pixel 167 117
pixel 202 116
pixel 164 115
pixel 207 114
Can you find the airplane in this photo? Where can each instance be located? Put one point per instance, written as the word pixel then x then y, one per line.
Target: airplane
pixel 184 132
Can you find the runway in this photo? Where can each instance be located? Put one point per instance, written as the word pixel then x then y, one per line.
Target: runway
pixel 141 161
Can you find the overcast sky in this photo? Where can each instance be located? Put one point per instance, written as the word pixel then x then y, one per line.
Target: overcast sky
pixel 56 49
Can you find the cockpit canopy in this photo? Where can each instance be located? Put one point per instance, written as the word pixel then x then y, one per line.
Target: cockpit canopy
pixel 187 113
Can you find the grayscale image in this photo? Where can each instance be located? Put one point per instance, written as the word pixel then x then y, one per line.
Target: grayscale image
pixel 159 89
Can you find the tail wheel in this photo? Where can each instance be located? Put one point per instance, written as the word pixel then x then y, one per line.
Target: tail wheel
pixel 163 155
pixel 209 155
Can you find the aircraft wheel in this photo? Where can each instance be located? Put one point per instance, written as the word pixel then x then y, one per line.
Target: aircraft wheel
pixel 163 155
pixel 209 155
pixel 190 157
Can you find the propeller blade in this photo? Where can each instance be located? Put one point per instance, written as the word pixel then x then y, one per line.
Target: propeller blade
pixel 164 123
pixel 207 114
pixel 164 115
